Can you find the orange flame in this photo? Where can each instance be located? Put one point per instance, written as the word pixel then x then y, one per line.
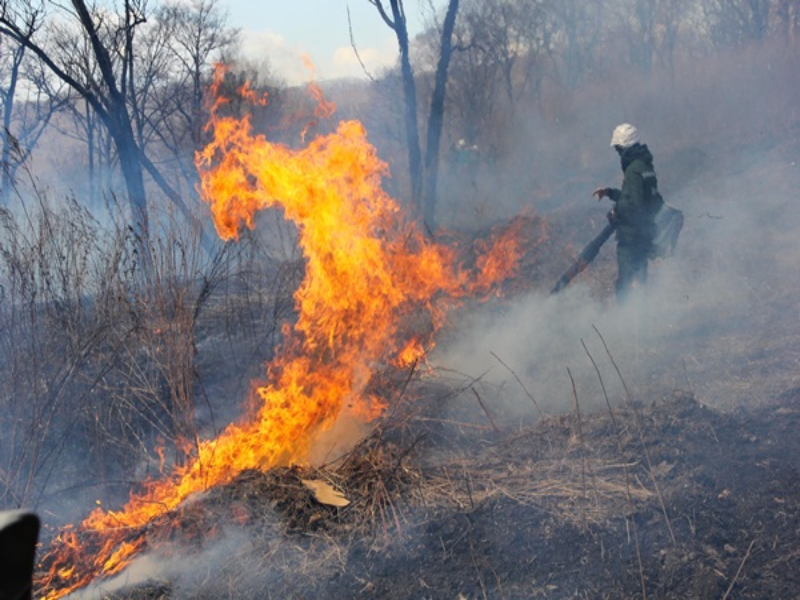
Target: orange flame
pixel 324 107
pixel 366 267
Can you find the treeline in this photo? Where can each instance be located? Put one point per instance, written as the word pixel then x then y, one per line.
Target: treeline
pixel 511 62
pixel 125 82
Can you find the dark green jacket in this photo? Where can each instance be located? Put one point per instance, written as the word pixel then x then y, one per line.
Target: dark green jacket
pixel 639 200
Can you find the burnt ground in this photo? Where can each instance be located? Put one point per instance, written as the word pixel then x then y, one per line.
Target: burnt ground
pixel 727 528
pixel 687 490
pixel 673 498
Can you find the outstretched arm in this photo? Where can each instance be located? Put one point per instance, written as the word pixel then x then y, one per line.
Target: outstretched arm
pixel 606 192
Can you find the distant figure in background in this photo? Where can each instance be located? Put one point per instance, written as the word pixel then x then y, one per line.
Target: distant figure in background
pixel 635 210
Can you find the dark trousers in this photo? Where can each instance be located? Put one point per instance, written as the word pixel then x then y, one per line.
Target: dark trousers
pixel 631 267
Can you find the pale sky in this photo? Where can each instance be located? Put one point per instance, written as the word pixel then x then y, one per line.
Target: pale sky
pixel 283 30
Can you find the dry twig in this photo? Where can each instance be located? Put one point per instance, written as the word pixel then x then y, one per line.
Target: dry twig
pixel 522 385
pixel 738 571
pixel 488 416
pixel 640 431
pixel 621 448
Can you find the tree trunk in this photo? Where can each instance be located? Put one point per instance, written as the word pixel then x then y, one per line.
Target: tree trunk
pixel 90 157
pixel 410 97
pixel 8 109
pixel 120 130
pixel 436 118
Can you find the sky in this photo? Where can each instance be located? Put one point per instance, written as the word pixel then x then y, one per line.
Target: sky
pixel 281 31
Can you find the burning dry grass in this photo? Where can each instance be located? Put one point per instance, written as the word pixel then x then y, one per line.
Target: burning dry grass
pixel 391 494
pixel 292 538
pixel 466 510
pixel 367 266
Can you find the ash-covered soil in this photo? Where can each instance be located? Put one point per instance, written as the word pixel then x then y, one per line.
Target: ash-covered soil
pixel 671 500
pixel 713 512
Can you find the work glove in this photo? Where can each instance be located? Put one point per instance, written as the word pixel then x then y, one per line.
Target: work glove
pixel 612 217
pixel 601 193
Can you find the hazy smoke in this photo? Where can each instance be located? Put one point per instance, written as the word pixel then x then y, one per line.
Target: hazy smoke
pixel 720 297
pixel 238 564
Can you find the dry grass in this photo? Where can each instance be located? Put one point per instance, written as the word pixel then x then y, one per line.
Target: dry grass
pixel 99 368
pixel 293 540
pixel 552 486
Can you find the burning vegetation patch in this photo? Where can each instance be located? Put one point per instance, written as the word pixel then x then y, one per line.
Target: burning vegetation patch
pixel 367 269
pixel 672 499
pixel 668 499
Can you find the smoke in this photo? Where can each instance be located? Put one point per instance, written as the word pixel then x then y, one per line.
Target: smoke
pixel 330 444
pixel 717 317
pixel 707 321
pixel 524 356
pixel 238 563
pixel 177 571
pixel 144 569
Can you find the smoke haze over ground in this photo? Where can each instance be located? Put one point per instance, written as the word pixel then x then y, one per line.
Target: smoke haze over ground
pixel 718 319
pixel 724 138
pixel 733 278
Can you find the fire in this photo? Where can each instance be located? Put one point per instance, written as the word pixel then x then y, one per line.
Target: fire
pixel 120 558
pixel 367 267
pixel 411 354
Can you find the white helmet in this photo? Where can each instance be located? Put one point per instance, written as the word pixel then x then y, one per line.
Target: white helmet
pixel 625 136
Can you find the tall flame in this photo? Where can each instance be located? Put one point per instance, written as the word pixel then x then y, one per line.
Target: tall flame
pixel 366 267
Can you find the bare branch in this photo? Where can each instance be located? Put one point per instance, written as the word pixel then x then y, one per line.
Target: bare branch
pixel 10 31
pixel 355 49
pixel 382 11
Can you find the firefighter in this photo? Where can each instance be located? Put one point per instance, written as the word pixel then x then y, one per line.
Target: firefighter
pixel 635 209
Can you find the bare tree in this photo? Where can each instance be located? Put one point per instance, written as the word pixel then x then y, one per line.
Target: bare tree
pixel 473 84
pixel 107 96
pixel 23 121
pixel 513 36
pixel 13 56
pixel 436 115
pixel 671 16
pixel 201 37
pixel 397 22
pixel 639 32
pixel 579 28
pixel 787 17
pixel 502 46
pixel 649 30
pixel 85 125
pixel 112 94
pixel 182 47
pixel 423 177
pixel 736 22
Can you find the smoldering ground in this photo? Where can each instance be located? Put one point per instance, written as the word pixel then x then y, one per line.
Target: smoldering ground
pixel 717 319
pixel 693 327
pixel 234 561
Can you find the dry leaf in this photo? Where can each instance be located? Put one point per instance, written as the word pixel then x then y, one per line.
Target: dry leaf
pixel 325 493
pixel 662 469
